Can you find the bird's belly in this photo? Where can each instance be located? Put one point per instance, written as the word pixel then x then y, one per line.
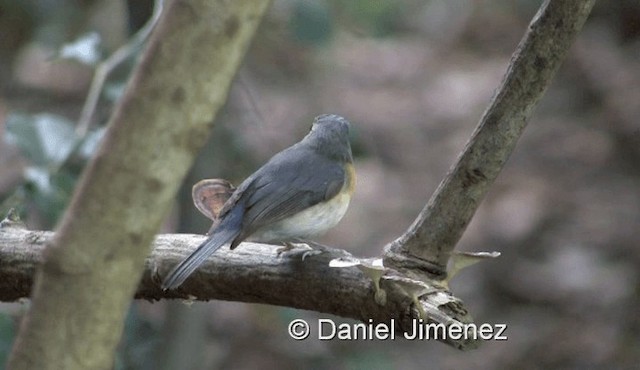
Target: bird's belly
pixel 311 222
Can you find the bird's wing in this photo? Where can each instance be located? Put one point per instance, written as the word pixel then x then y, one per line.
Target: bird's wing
pixel 289 184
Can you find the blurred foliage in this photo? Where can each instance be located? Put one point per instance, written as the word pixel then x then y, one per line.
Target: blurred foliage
pixel 45 139
pixel 7 333
pixel 378 18
pixel 56 158
pixel 85 49
pixel 16 18
pixel 311 22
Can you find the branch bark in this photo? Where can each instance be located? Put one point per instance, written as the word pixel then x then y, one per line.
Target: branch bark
pixel 427 245
pixel 92 267
pixel 251 273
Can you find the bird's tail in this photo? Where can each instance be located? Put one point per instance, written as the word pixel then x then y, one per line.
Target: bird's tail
pixel 227 230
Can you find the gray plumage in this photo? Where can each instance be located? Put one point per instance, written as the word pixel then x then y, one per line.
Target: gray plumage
pixel 307 174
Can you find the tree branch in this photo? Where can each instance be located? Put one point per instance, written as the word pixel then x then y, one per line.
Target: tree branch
pixel 429 242
pixel 250 273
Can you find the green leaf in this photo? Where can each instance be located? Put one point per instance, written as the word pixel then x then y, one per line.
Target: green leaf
pixel 50 192
pixel 85 49
pixel 40 178
pixel 45 139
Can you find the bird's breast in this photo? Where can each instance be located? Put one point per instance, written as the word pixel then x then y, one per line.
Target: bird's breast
pixel 313 221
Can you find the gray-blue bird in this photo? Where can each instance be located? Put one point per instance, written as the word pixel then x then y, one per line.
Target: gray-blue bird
pixel 299 193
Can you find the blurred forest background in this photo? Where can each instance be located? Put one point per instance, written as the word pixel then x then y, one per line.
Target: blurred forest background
pixel 413 76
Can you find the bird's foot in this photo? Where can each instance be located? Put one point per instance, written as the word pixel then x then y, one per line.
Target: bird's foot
pixel 288 247
pixel 306 248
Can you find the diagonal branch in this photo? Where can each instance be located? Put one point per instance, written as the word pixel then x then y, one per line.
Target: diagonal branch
pixel 429 242
pixel 91 268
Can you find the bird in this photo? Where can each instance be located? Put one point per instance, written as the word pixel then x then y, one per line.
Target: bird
pixel 301 192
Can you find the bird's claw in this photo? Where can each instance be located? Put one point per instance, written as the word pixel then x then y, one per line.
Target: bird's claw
pixel 305 248
pixel 289 246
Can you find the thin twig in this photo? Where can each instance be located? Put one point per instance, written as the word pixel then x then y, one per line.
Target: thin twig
pixel 105 67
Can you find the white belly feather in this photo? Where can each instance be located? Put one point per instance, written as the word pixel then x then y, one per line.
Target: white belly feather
pixel 311 222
